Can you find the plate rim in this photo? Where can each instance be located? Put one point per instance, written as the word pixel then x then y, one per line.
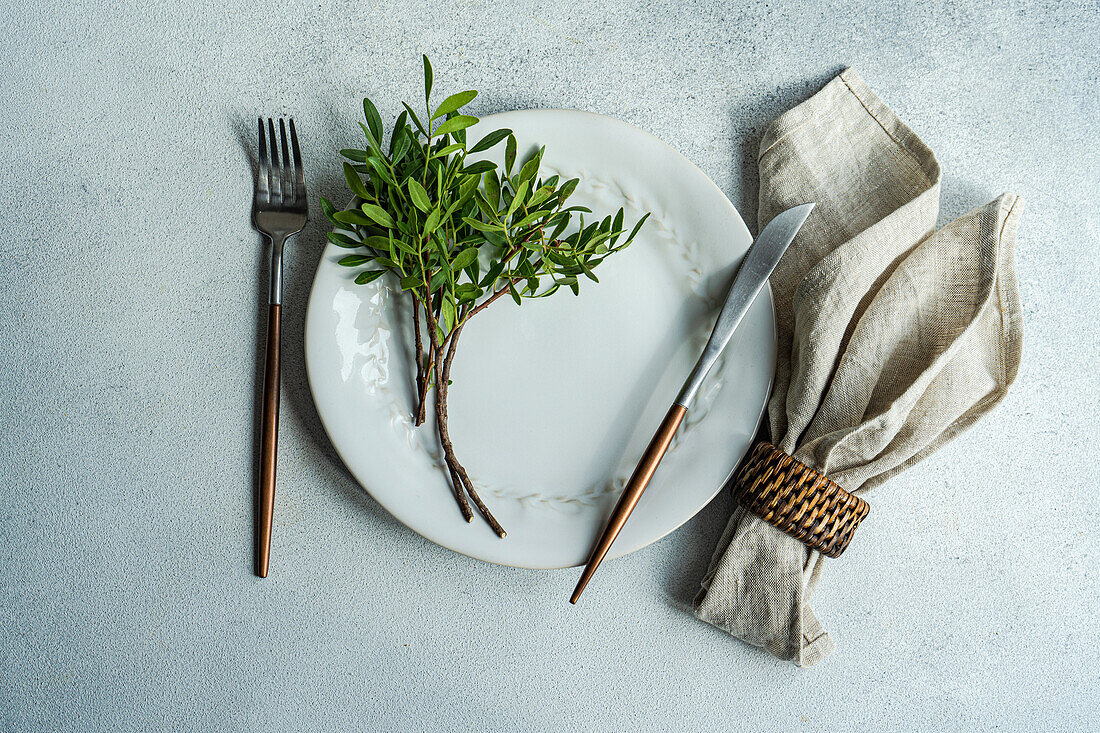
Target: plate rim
pixel 766 290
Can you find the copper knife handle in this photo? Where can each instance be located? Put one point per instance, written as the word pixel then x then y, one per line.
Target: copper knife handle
pixel 638 482
pixel 269 442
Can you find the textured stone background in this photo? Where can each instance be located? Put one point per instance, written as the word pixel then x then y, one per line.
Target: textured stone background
pixel 129 307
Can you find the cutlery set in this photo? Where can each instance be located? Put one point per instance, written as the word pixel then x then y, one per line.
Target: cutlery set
pixel 280 210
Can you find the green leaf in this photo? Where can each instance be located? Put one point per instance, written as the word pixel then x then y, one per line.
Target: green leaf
pixel 378 214
pixel 448 312
pixel 531 167
pixel 354 260
pixel 343 240
pixel 432 222
pixel 328 209
pixel 440 247
pixel 398 130
pixel 447 150
pixel 371 142
pixel 482 226
pixel 486 208
pixel 382 171
pixel 355 183
pixel 419 196
pixel 416 120
pixel 518 200
pixel 354 217
pixel 558 258
pixel 427 79
pixel 494 272
pixel 473 270
pixel 359 156
pixel 514 294
pixel 404 144
pixel 382 244
pixel 410 282
pixel 510 155
pixel 497 239
pixel 405 247
pixel 374 120
pixel 562 223
pixel 478 168
pixel 637 227
pixel 492 189
pixel 530 218
pixel 567 188
pixel 467 292
pixel 467 189
pixel 464 258
pixel 540 195
pixel 369 276
pixel 453 103
pixel 454 124
pixel 490 140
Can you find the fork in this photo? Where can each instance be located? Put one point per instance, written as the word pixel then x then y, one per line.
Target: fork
pixel 279 211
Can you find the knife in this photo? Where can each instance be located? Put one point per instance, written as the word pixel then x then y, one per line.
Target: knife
pixel 761 259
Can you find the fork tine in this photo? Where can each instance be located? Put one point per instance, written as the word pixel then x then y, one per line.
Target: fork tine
pixel 263 169
pixel 299 172
pixel 288 189
pixel 276 192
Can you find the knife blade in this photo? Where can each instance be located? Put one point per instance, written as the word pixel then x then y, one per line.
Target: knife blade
pixel 759 262
pixel 761 259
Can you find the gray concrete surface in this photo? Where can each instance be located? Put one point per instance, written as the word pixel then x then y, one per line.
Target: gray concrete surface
pixel 129 296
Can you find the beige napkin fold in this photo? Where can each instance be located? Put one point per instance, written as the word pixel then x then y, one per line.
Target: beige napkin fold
pixel 893 338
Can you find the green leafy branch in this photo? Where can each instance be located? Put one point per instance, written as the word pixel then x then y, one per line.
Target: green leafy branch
pixel 458 234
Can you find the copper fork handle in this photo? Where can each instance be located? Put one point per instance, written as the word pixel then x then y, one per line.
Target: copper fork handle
pixel 638 482
pixel 269 442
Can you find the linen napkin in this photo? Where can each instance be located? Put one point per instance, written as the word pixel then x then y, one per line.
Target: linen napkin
pixel 893 338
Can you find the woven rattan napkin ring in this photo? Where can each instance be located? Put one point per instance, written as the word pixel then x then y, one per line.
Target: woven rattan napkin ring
pixel 798 500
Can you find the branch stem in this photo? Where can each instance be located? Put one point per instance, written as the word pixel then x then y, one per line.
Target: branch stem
pixel 421 368
pixel 443 352
pixel 488 302
pixel 441 393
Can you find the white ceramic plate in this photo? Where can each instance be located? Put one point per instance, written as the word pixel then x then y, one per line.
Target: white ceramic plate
pixel 553 402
